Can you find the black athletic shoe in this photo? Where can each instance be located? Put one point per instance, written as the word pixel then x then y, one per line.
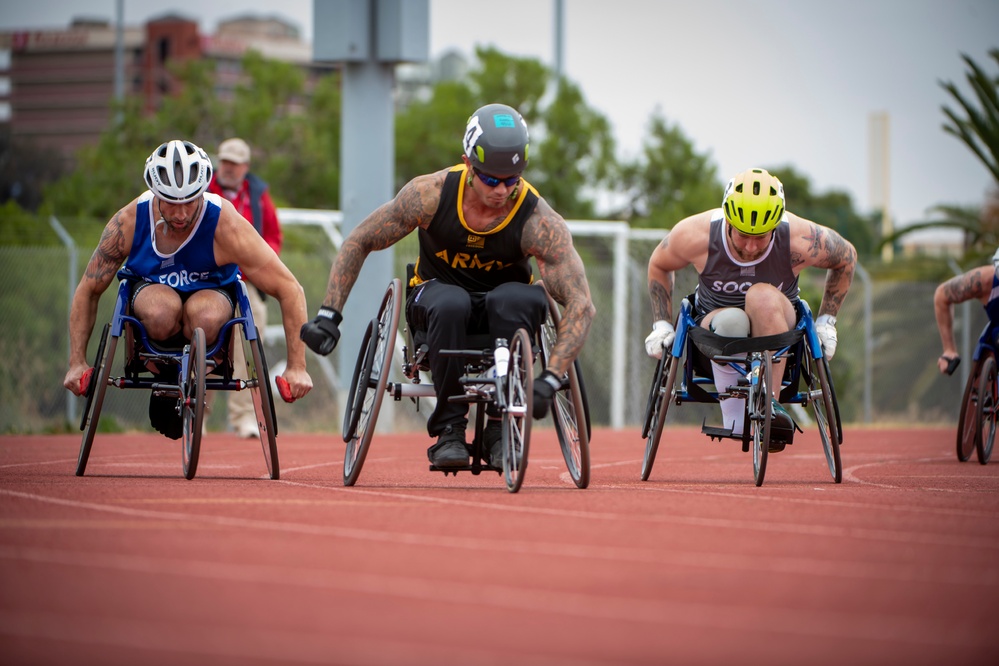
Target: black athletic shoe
pixel 450 449
pixel 164 417
pixel 492 443
pixel 781 428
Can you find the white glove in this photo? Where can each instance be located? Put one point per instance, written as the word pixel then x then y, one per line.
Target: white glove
pixel 662 336
pixel 825 328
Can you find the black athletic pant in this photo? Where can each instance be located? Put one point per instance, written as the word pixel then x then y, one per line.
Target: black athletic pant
pixel 447 315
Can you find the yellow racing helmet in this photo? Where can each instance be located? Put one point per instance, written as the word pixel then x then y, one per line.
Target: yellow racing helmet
pixel 754 202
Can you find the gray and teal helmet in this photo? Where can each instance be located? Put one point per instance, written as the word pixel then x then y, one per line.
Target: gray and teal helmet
pixel 496 140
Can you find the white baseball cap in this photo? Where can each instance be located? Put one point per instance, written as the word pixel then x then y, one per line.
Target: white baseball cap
pixel 234 150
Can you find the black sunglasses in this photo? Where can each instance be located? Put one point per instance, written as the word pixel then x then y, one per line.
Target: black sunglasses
pixel 493 181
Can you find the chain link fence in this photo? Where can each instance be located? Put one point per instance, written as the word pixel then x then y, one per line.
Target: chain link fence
pixel 899 383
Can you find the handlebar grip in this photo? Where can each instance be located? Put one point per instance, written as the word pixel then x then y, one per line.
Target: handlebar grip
pixel 283 388
pixel 85 381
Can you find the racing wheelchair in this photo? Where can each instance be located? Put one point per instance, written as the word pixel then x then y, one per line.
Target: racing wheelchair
pixel 976 428
pixel 498 374
pixel 184 374
pixel 684 375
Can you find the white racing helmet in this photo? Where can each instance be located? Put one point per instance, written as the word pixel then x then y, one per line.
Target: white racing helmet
pixel 178 171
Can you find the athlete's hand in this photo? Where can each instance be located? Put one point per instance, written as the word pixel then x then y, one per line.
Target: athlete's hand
pixel 825 328
pixel 322 333
pixel 662 336
pixel 545 386
pixel 947 363
pixel 74 379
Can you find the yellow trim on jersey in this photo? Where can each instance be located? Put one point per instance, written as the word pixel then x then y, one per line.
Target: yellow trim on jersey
pixel 522 194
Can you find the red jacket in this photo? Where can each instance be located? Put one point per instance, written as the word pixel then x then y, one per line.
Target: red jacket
pixel 268 226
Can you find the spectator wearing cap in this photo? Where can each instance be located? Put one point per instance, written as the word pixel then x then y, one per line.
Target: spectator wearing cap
pixel 249 195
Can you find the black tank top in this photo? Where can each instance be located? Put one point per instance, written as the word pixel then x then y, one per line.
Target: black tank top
pixel 725 280
pixel 474 260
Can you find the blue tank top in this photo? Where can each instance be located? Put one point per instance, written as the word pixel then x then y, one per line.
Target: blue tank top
pixel 992 306
pixel 192 266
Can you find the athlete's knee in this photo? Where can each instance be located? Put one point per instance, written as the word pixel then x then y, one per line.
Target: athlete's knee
pixel 730 323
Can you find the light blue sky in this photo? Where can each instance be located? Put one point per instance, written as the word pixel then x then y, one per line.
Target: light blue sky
pixel 751 82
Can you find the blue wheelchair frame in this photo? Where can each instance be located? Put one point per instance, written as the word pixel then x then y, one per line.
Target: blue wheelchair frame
pixel 198 371
pixel 800 346
pixel 976 427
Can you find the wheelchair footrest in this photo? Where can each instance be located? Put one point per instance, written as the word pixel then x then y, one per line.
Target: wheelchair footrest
pixel 718 432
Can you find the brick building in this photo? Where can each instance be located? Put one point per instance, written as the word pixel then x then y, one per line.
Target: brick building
pixel 57 87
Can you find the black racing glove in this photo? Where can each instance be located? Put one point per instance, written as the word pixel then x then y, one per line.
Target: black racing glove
pixel 545 386
pixel 322 333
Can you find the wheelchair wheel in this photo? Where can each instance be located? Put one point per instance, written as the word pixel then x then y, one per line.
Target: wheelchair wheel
pixel 192 402
pixel 263 405
pixel 967 425
pixel 986 410
pixel 760 406
pixel 823 401
pixel 660 397
pixel 367 387
pixel 96 388
pixel 517 414
pixel 569 405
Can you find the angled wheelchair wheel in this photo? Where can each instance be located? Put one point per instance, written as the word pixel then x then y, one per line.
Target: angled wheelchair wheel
pixel 760 406
pixel 96 388
pixel 986 410
pixel 367 387
pixel 660 397
pixel 968 422
pixel 570 409
pixel 823 400
pixel 517 413
pixel 192 401
pixel 263 404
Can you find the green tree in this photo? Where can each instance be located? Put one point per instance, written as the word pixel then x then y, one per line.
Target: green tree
pixel 571 152
pixel 575 154
pixel 833 209
pixel 976 124
pixel 978 128
pixel 669 181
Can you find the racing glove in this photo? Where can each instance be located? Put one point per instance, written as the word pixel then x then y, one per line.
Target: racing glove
pixel 825 328
pixel 545 386
pixel 662 336
pixel 322 333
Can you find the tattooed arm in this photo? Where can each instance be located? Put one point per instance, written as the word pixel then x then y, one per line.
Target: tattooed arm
pixel 547 238
pixel 115 243
pixel 976 283
pixel 815 245
pixel 414 206
pixel 685 244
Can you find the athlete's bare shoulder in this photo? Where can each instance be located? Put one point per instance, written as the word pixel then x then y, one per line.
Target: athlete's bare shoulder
pixel 417 201
pixel 815 245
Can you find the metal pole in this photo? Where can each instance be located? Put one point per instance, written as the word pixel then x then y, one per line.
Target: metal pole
pixel 67 240
pixel 559 41
pixel 868 342
pixel 119 58
pixel 965 328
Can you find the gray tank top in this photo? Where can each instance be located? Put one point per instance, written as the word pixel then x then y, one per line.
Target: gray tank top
pixel 725 280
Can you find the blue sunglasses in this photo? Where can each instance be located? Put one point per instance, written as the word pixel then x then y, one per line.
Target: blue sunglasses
pixel 493 181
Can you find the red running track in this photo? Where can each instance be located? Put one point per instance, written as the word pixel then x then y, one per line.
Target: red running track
pixel 132 564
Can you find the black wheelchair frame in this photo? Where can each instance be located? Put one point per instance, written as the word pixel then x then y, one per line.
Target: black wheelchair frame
pixel 200 369
pixel 498 374
pixel 806 362
pixel 976 428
